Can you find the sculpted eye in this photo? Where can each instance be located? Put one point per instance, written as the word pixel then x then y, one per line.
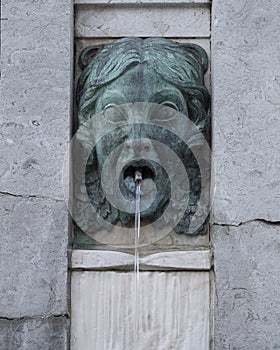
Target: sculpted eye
pixel 171 105
pixel 115 114
pixel 164 114
pixel 109 105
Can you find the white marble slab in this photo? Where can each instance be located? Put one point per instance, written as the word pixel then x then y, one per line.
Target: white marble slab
pixel 179 260
pixel 172 312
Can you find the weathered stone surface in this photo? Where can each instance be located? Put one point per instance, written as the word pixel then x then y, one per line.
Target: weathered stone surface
pixel 34 131
pixel 246 107
pixel 247 311
pixel 143 21
pixel 33 253
pixel 102 260
pixel 34 334
pixel 35 95
pixel 172 310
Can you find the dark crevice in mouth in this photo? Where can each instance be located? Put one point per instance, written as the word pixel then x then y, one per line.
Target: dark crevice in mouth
pixel 147 172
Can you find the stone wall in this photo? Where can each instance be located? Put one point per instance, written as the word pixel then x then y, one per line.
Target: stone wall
pixel 36 85
pixel 246 218
pixel 34 132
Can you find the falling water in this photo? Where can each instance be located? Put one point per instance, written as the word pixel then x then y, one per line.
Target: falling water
pixel 138 178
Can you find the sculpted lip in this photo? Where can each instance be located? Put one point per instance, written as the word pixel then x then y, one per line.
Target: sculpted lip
pixel 147 172
pixel 128 175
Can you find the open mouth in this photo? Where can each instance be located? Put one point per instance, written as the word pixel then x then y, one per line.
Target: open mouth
pixel 146 172
pixel 155 188
pixel 128 175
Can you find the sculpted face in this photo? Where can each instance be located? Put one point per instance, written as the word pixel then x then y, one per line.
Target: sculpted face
pixel 142 108
pixel 137 141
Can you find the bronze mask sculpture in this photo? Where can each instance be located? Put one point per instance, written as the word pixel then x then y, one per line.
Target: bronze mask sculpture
pixel 164 81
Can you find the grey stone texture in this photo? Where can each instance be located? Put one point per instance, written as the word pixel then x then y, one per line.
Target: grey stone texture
pixel 246 110
pixel 99 21
pixel 34 134
pixel 34 334
pixel 33 254
pixel 245 141
pixel 247 310
pixel 35 95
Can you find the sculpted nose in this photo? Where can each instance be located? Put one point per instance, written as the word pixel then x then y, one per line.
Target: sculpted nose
pixel 139 147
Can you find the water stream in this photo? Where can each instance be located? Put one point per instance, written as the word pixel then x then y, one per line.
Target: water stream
pixel 136 261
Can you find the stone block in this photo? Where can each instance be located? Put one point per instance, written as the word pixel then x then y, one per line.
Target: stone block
pixel 169 310
pixel 246 90
pixel 35 95
pixel 247 310
pixel 34 334
pixel 143 21
pixel 33 253
pixel 199 260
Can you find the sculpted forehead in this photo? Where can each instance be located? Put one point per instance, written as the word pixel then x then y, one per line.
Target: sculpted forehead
pixel 140 83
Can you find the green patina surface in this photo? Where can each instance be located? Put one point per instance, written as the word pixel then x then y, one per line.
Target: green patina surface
pixel 132 70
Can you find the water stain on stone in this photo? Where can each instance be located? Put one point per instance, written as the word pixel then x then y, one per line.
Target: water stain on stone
pixel 11 130
pixel 29 164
